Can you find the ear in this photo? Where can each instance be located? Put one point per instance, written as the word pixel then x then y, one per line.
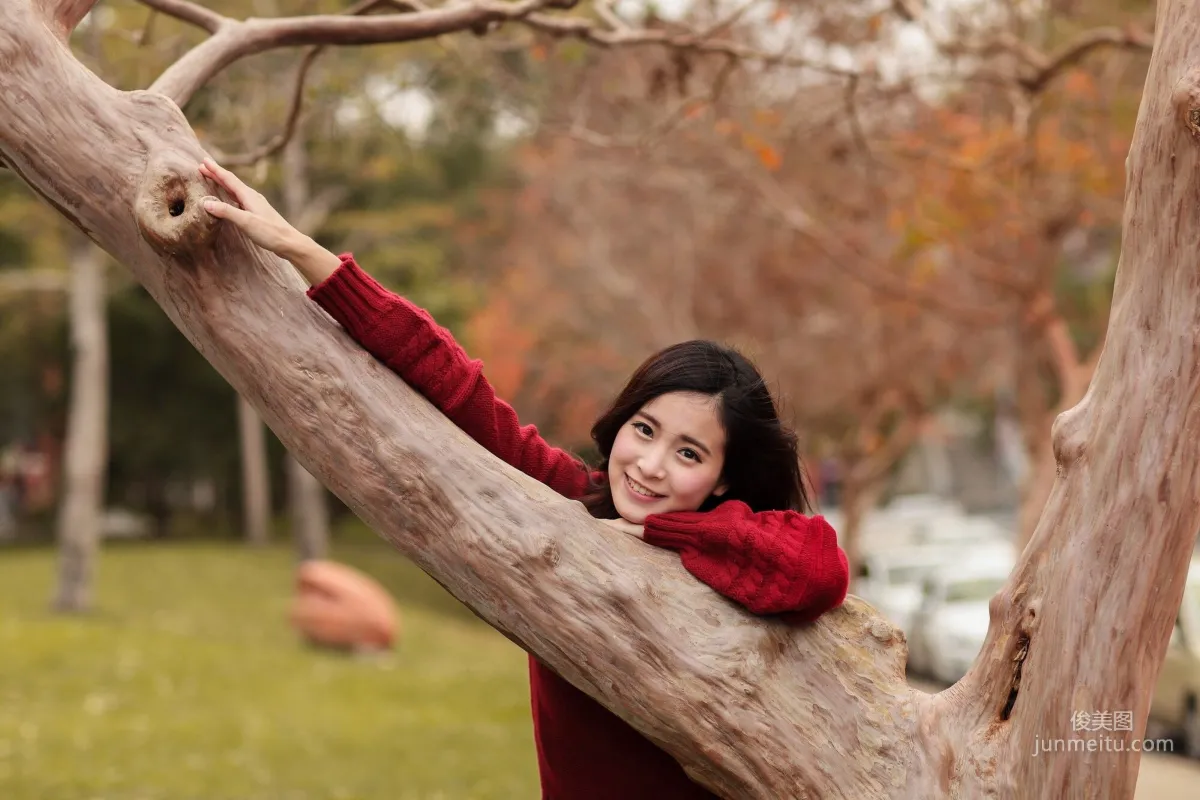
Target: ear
pixel 721 489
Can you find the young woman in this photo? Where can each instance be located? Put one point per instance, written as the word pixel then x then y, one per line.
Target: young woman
pixel 694 458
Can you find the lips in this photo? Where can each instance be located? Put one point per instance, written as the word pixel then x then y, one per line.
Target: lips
pixel 635 490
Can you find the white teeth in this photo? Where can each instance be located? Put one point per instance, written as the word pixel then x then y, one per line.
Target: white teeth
pixel 637 488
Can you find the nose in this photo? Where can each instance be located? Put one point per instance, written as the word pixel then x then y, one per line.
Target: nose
pixel 652 463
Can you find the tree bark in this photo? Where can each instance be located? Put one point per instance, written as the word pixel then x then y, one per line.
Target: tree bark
pixel 86 449
pixel 751 707
pixel 256 476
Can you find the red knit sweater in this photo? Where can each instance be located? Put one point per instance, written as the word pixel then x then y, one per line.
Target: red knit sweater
pixel 774 562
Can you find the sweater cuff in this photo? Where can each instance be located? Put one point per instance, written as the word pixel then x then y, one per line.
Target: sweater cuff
pixel 670 530
pixel 350 295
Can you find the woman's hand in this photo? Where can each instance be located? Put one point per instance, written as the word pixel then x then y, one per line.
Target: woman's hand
pixel 265 226
pixel 624 526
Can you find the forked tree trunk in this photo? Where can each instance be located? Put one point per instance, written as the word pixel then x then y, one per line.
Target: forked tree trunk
pixel 85 455
pixel 751 707
pixel 256 477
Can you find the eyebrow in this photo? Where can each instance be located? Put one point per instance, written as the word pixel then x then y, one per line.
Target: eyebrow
pixel 685 437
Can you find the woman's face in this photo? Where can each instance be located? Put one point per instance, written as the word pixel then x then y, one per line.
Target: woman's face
pixel 668 456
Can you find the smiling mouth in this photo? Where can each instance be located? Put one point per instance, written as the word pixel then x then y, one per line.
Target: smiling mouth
pixel 640 490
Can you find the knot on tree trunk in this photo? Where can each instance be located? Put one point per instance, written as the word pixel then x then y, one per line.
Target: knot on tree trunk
pixel 168 207
pixel 1069 434
pixel 1186 99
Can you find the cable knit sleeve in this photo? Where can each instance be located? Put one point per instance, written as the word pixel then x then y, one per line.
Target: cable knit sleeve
pixel 407 339
pixel 771 562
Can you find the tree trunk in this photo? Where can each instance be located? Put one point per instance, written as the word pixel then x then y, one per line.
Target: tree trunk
pixel 309 512
pixel 306 495
pixel 858 498
pixel 256 478
pixel 751 707
pixel 85 456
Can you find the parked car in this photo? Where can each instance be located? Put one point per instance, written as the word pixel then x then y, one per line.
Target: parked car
pixel 951 620
pixel 919 520
pixel 891 580
pixel 1176 699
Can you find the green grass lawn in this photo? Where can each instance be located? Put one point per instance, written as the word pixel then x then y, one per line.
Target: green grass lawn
pixel 186 683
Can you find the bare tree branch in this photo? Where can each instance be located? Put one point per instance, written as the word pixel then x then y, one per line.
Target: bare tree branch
pixel 908 10
pixel 604 8
pixel 1048 67
pixel 190 12
pixel 280 140
pixel 587 31
pixel 233 40
pixel 658 128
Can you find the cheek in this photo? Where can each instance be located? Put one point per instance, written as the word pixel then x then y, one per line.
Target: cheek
pixel 623 453
pixel 697 484
pixel 621 450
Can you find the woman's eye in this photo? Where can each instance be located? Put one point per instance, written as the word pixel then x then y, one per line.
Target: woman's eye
pixel 689 454
pixel 642 428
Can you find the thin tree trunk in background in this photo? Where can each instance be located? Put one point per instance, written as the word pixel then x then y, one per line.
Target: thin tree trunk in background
pixel 309 512
pixel 256 477
pixel 307 502
pixel 86 448
pixel 858 499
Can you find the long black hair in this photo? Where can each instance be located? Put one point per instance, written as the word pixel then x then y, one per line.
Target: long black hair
pixel 762 463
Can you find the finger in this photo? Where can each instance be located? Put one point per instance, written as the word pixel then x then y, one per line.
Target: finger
pixel 232 183
pixel 224 210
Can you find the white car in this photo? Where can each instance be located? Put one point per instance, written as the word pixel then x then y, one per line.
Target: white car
pixel 952 618
pixel 891 580
pixel 894 528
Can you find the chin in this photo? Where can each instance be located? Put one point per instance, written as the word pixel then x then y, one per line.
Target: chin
pixel 635 515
